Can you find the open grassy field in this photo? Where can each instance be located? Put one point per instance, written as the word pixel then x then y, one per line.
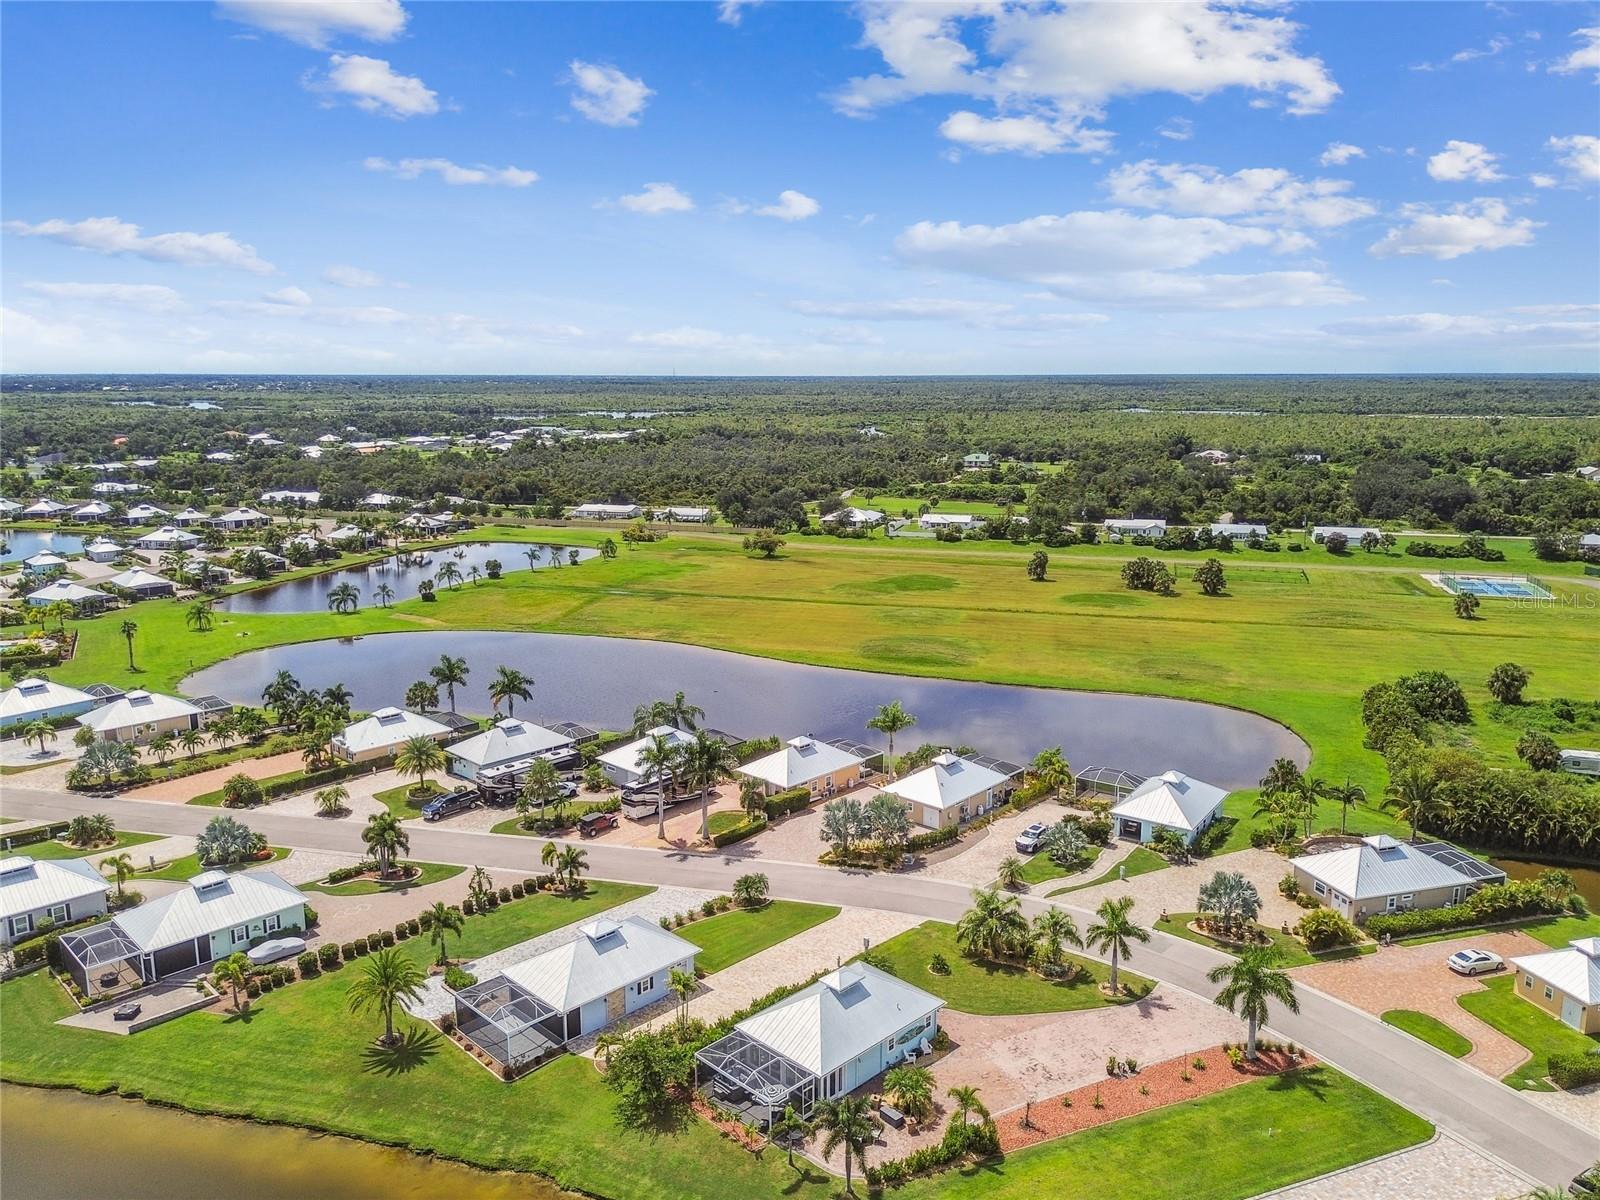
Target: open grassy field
pixel 731 936
pixel 1521 1021
pixel 181 870
pixel 54 849
pixel 1294 643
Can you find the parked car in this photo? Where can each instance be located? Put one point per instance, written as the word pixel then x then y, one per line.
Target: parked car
pixel 286 947
pixel 592 823
pixel 449 804
pixel 1474 962
pixel 1028 841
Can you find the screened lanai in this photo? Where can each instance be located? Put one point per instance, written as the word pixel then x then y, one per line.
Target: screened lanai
pixel 508 1023
pixel 751 1078
pixel 1107 781
pixel 101 959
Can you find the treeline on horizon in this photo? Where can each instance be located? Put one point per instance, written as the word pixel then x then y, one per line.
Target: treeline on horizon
pixel 759 449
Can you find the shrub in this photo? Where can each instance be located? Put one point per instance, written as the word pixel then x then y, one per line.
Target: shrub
pixel 253 989
pixel 468 907
pixel 747 828
pixel 387 939
pixel 933 839
pixel 1288 886
pixel 1496 902
pixel 518 891
pixel 347 951
pixel 413 927
pixel 457 979
pixel 401 933
pixel 374 942
pixel 240 791
pixel 530 886
pixel 327 955
pixel 1574 1069
pixel 307 962
pixel 784 803
pixel 505 895
pixel 1322 929
pixel 939 965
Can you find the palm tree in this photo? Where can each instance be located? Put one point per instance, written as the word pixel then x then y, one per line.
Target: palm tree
pixel 384 593
pixel 127 629
pixel 233 972
pixel 1113 930
pixel 510 685
pixel 710 762
pixel 346 597
pixel 1053 930
pixel 681 714
pixel 1009 875
pixel 648 716
pixel 1413 794
pixel 190 740
pixel 330 800
pixel 161 747
pixel 1347 797
pixel 120 865
pixel 1251 980
pixel 474 573
pixel 660 760
pixel 198 617
pixel 386 838
pixel 449 575
pixel 967 1104
pixel 442 919
pixel 549 854
pixel 418 756
pixel 449 674
pixel 532 555
pixel 39 730
pixel 386 978
pixel 910 1089
pixel 222 730
pixel 57 611
pixel 541 786
pixel 993 926
pixel 570 864
pixel 789 1128
pixel 681 984
pixel 1307 792
pixel 282 696
pixel 849 1123
pixel 608 550
pixel 891 719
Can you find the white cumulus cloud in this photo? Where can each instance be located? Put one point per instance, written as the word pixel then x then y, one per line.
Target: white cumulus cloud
pixel 731 12
pixel 1463 162
pixel 374 86
pixel 791 206
pixel 657 198
pixel 111 235
pixel 1579 154
pixel 146 297
pixel 293 296
pixel 1258 193
pixel 453 173
pixel 345 276
pixel 1460 229
pixel 1339 153
pixel 607 95
pixel 1030 135
pixel 1585 58
pixel 315 22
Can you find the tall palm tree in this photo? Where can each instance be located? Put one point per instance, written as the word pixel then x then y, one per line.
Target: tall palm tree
pixel 282 696
pixel 967 1104
pixel 190 741
pixel 119 865
pixel 541 786
pixel 385 979
pixel 710 761
pixel 442 919
pixel 384 593
pixel 789 1128
pixel 648 716
pixel 993 926
pixel 198 616
pixel 127 629
pixel 570 864
pixel 57 611
pixel 386 838
pixel 891 719
pixel 345 597
pixel 418 756
pixel 1250 981
pixel 1307 792
pixel 449 575
pixel 683 715
pixel 660 760
pixel 532 555
pixel 1113 930
pixel 549 854
pixel 1413 795
pixel 161 747
pixel 39 730
pixel 1053 930
pixel 450 673
pixel 233 973
pixel 1347 797
pixel 848 1122
pixel 681 984
pixel 509 685
pixel 910 1089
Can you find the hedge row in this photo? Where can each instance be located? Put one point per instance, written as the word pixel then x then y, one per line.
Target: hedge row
pixel 297 781
pixel 783 803
pixel 1574 1069
pixel 749 827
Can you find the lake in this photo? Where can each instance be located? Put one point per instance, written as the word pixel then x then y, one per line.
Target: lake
pixel 310 592
pixel 25 543
pixel 61 1145
pixel 599 681
pixel 1585 879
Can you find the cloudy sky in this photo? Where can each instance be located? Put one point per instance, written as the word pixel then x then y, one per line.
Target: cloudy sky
pixel 787 188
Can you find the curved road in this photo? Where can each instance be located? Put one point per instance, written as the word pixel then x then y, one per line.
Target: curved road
pixel 1454 1096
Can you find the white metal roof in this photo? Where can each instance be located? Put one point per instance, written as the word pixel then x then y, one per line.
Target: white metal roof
pixel 1380 866
pixel 101 544
pixel 45 558
pixel 841 1016
pixel 211 901
pixel 95 508
pixel 62 589
pixel 27 884
pixel 1172 799
pixel 39 695
pixel 855 516
pixel 136 578
pixel 946 782
pixel 626 758
pixel 46 505
pixel 168 535
pixel 933 519
pixel 1122 524
pixel 1239 528
pixel 388 727
pixel 606 510
pixel 604 955
pixel 506 740
pixel 137 708
pixel 1574 969
pixel 143 511
pixel 241 514
pixel 1352 533
pixel 799 761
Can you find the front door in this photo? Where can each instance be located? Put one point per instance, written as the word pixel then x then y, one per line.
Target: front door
pixel 1572 1012
pixel 1131 829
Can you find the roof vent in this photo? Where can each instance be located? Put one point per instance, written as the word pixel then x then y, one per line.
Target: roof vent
pixel 389 716
pixel 1382 841
pixel 32 687
pixel 13 866
pixel 137 697
pixel 207 880
pixel 599 931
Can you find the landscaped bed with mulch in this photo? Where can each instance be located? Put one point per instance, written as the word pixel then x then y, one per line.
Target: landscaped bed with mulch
pixel 1171 1081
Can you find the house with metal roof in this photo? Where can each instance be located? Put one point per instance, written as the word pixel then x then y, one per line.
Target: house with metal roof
pixel 1565 982
pixel 57 890
pixel 1352 533
pixel 853 517
pixel 383 733
pixel 212 916
pixel 821 767
pixel 45 507
pixel 1127 527
pixel 507 745
pixel 45 560
pixel 1170 801
pixel 820 1043
pixel 168 537
pixel 143 514
pixel 103 550
pixel 39 699
pixel 190 516
pixel 1581 762
pixel 1239 529
pixel 936 521
pixel 687 513
pixel 75 594
pixel 241 518
pixel 622 765
pixel 95 510
pixel 605 512
pixel 141 584
pixel 138 716
pixel 952 789
pixel 1384 875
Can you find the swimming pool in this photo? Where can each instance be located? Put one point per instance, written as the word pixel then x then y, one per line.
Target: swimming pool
pixel 1515 587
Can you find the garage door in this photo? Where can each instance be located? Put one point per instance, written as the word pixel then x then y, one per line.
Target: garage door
pixel 176 958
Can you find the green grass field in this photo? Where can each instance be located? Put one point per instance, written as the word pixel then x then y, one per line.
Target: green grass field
pixel 431 873
pixel 1554 932
pixel 1429 1029
pixel 1528 1024
pixel 731 936
pixel 1292 952
pixel 1139 862
pixel 993 989
pixel 1041 868
pixel 398 800
pixel 53 849
pixel 180 870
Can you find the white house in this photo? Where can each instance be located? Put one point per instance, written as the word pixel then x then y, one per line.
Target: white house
pixel 168 537
pixel 623 765
pixel 506 742
pixel 1352 533
pixel 854 516
pixel 821 767
pixel 285 496
pixel 351 535
pixel 1168 801
pixel 75 594
pixel 952 789
pixel 242 518
pixel 7 507
pixel 45 507
pixel 1121 527
pixel 686 513
pixel 605 512
pixel 1239 530
pixel 1592 474
pixel 58 890
pixel 1589 541
pixel 381 500
pixel 41 699
pixel 1384 875
pixel 111 487
pixel 821 1043
pixel 139 716
pixel 95 510
pixel 143 514
pixel 45 560
pixel 142 584
pixel 976 461
pixel 102 550
pixel 936 521
pixel 222 456
pixel 383 733
pixel 190 516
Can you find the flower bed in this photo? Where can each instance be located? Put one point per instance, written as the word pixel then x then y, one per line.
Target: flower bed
pixel 1153 1087
pixel 729 1127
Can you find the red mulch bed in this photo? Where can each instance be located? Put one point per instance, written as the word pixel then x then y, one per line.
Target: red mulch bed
pixel 1120 1098
pixel 727 1128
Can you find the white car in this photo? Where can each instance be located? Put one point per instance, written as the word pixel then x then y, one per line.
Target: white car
pixel 1474 962
pixel 274 950
pixel 1029 839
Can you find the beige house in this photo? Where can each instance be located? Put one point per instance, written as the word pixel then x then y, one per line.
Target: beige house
pixel 1382 875
pixel 1565 983
pixel 383 733
pixel 140 717
pixel 822 768
pixel 952 789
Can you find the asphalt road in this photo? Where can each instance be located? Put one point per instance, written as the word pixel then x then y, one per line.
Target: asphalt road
pixel 1452 1095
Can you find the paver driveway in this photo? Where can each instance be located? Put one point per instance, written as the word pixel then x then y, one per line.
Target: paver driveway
pixel 1174 889
pixel 181 791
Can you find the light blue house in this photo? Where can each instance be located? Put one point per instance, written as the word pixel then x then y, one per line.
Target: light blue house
pixel 1171 801
pixel 41 699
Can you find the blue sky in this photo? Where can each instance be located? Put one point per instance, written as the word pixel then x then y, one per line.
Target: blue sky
pixel 788 188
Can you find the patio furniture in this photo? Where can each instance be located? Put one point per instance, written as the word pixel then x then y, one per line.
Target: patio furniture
pixel 108 979
pixel 125 1012
pixel 892 1116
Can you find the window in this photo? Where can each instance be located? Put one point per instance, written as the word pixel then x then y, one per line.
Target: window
pixel 241 933
pixel 1321 888
pixel 273 923
pixel 1527 981
pixel 59 914
pixel 1389 903
pixel 647 985
pixel 1549 993
pixel 1455 895
pixel 22 924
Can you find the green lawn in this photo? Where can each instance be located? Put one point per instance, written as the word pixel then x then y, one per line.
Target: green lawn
pixel 737 934
pixel 181 870
pixel 1554 932
pixel 431 873
pixel 1040 868
pixel 1429 1029
pixel 990 989
pixel 1525 1022
pixel 1250 1139
pixel 54 849
pixel 398 799
pixel 1292 950
pixel 1139 862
